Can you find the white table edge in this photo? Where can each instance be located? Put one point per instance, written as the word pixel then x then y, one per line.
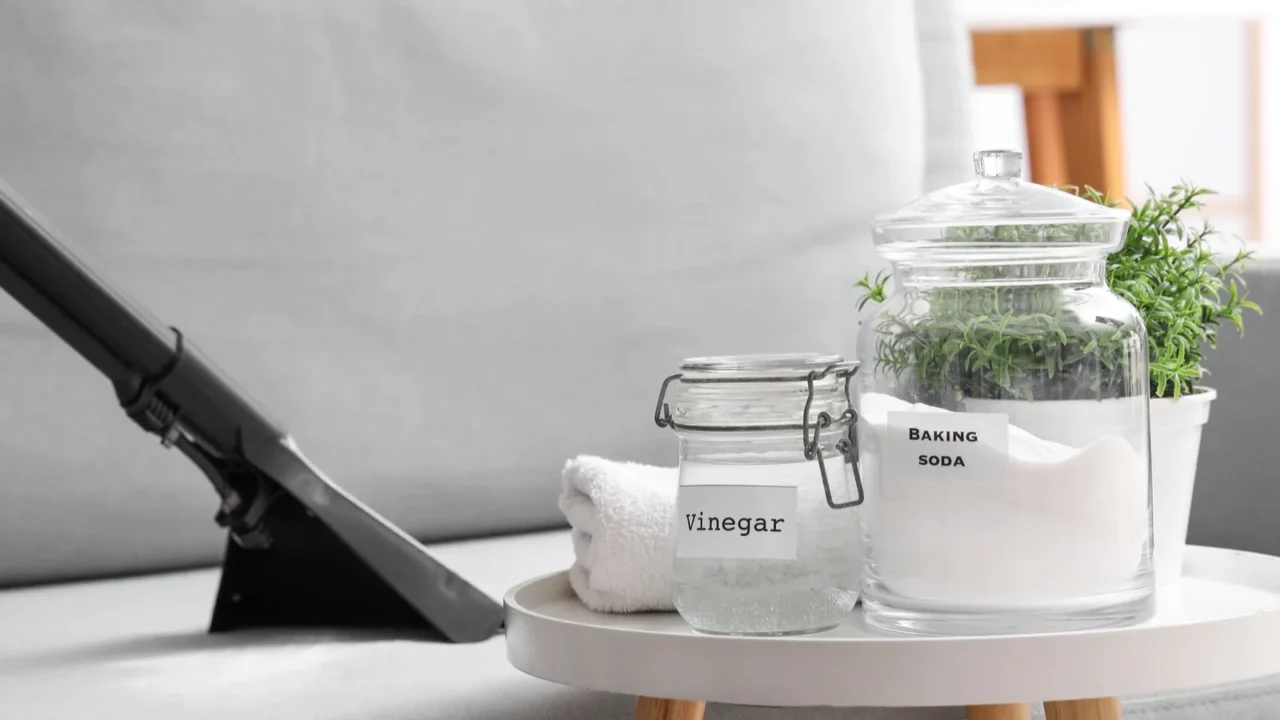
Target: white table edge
pixel 898 671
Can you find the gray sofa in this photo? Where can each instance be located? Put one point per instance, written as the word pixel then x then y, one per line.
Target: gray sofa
pixel 449 245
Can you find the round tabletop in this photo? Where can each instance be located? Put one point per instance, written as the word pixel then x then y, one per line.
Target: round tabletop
pixel 1220 624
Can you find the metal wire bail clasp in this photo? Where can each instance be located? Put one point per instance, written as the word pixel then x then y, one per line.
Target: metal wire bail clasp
pixel 662 414
pixel 847 445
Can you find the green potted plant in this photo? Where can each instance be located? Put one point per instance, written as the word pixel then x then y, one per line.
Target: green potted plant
pixel 993 357
pixel 1185 290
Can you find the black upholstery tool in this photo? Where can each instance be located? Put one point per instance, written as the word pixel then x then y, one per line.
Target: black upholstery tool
pixel 301 551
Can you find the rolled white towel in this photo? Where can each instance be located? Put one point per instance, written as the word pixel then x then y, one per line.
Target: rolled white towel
pixel 621 515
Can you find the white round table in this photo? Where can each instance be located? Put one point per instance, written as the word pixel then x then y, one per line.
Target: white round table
pixel 1220 624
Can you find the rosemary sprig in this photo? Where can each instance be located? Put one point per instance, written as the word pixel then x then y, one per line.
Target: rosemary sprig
pixel 1169 271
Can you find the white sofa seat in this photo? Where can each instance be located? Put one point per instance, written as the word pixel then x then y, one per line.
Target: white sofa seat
pixel 137 648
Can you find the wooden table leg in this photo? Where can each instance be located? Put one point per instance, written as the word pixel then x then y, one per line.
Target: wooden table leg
pixel 1012 711
pixel 1095 709
pixel 648 708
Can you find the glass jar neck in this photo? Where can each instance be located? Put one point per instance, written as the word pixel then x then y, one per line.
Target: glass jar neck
pixel 756 393
pixel 1073 271
pixel 740 407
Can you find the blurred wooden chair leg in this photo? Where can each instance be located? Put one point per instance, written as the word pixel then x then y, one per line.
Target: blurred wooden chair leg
pixel 1046 140
pixel 1070 100
pixel 1090 119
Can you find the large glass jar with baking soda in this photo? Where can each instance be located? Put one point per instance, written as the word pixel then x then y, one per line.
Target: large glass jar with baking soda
pixel 1003 423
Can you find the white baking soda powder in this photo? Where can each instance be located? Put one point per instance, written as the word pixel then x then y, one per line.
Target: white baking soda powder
pixel 967 510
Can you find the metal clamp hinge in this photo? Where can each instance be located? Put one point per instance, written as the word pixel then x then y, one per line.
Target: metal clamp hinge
pixel 847 445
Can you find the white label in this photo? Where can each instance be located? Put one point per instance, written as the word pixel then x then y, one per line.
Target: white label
pixel 947 446
pixel 752 522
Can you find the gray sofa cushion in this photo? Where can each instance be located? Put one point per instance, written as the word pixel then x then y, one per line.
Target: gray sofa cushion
pixel 447 244
pixel 135 649
pixel 1238 478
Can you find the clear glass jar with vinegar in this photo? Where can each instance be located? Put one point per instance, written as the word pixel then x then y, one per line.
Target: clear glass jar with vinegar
pixel 766 531
pixel 1003 425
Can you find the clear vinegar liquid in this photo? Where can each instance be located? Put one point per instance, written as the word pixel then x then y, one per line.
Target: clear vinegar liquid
pixel 814 592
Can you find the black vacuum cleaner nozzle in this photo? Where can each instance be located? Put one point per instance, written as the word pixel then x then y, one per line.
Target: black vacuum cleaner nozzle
pixel 301 551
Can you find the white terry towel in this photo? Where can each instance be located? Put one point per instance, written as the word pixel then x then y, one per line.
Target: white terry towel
pixel 621 514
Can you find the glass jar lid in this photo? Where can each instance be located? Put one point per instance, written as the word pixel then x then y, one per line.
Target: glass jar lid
pixel 755 392
pixel 1000 215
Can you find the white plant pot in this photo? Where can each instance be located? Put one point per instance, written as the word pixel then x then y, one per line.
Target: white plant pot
pixel 1175 450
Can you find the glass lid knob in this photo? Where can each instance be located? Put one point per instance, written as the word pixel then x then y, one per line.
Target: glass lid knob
pixel 998 164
